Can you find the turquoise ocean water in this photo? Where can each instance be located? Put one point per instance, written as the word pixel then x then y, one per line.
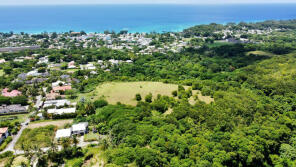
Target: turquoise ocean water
pixel 134 18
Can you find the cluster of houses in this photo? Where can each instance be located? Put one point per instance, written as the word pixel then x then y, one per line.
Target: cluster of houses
pixel 76 129
pixel 14 108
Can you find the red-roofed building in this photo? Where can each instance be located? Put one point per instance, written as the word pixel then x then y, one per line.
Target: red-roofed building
pixel 57 89
pixel 13 93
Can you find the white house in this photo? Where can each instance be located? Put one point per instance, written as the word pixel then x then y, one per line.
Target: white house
pixel 80 128
pixel 61 111
pixel 63 133
pixel 57 103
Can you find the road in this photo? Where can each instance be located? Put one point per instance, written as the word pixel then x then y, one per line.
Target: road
pixel 11 145
pixel 24 125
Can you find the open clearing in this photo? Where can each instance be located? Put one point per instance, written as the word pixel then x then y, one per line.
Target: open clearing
pixel 59 123
pixel 18 161
pixel 261 53
pixel 17 117
pixel 38 137
pixel 1 73
pixel 125 92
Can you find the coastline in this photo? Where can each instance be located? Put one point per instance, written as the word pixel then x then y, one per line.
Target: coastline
pixel 134 18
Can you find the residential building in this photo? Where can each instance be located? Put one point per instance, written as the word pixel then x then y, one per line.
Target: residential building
pixel 12 109
pixel 57 89
pixel 13 93
pixel 61 111
pixel 57 103
pixel 63 133
pixel 80 128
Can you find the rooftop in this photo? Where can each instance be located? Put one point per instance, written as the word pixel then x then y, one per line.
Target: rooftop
pixel 63 133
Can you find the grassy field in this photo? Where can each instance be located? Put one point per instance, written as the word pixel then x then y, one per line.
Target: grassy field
pixel 91 137
pixel 125 92
pixel 58 123
pixel 4 161
pixel 20 117
pixel 98 159
pixel 18 161
pixel 40 137
pixel 70 70
pixel 74 162
pixel 218 43
pixel 1 73
pixel 261 53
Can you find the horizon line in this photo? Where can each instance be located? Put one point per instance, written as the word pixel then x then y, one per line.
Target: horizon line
pixel 75 4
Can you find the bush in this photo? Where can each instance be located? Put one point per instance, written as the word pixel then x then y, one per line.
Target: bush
pixel 4 100
pixel 6 154
pixel 138 97
pixel 19 100
pixel 175 93
pixel 5 143
pixel 100 103
pixel 197 86
pixel 148 98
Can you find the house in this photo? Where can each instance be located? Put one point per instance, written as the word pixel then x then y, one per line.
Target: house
pixel 13 93
pixel 57 103
pixel 2 61
pixel 71 65
pixel 16 108
pixel 57 89
pixel 61 111
pixel 53 96
pixel 89 66
pixel 22 76
pixel 4 131
pixel 65 77
pixel 57 83
pixel 3 134
pixel 36 80
pixel 80 128
pixel 63 133
pixel 100 62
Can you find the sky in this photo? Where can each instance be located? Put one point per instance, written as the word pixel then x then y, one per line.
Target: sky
pixel 60 2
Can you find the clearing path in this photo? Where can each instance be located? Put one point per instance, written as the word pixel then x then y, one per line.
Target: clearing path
pixel 58 123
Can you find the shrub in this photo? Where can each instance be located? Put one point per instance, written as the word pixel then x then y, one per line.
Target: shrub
pixel 19 100
pixel 5 143
pixel 148 98
pixel 175 93
pixel 100 103
pixel 138 97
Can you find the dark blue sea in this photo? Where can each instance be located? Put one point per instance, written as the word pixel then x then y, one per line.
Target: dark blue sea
pixel 134 18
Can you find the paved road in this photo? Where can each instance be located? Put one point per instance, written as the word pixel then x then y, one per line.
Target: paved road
pixel 11 145
pixel 24 125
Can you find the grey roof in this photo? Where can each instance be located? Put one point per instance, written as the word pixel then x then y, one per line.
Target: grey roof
pixel 4 109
